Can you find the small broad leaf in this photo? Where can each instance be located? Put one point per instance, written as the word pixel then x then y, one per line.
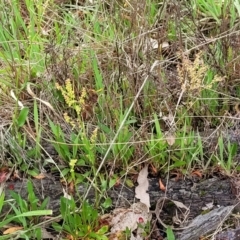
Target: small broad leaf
pixel 129 183
pixel 103 230
pixel 22 117
pixel 107 203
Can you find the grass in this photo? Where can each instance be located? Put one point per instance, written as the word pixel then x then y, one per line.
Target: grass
pixel 88 80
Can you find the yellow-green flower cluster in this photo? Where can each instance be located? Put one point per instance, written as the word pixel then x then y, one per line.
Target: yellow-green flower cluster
pixel 81 102
pixel 93 137
pixel 192 74
pixel 215 80
pixel 72 102
pixel 72 164
pixel 68 93
pixel 69 120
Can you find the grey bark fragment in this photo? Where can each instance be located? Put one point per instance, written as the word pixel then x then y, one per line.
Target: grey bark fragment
pixel 204 224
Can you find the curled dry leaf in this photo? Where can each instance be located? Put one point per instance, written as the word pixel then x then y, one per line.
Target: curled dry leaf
pixel 176 175
pixel 12 230
pixel 197 173
pixel 15 98
pixel 161 185
pixel 142 188
pixel 71 187
pixel 40 176
pixel 30 92
pixel 153 168
pixel 66 195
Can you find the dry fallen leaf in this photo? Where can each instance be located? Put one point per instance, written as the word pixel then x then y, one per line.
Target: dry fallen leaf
pixel 71 187
pixel 66 195
pixel 142 188
pixel 154 44
pixel 170 138
pixel 47 235
pixel 40 176
pixel 208 206
pixel 15 98
pixel 3 177
pixel 30 92
pixel 4 174
pixel 12 230
pixel 122 218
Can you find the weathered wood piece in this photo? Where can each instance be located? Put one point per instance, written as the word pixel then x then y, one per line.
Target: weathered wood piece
pixel 193 195
pixel 204 224
pixel 231 234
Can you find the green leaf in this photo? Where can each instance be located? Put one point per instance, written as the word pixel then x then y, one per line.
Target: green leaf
pixel 104 185
pixel 129 183
pixel 36 118
pixel 22 117
pixel 107 203
pixel 33 172
pixel 21 202
pixel 97 73
pixel 65 171
pixel 112 182
pixel 38 233
pixel 170 234
pixel 237 5
pixel 102 230
pixel 57 226
pixel 63 206
pixel 179 163
pixel 2 196
pixel 104 128
pixel 81 162
pixel 53 127
pixel 26 214
pixel 31 196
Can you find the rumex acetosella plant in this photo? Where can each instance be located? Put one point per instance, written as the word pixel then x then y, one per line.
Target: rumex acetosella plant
pixel 73 103
pixel 77 148
pixel 199 86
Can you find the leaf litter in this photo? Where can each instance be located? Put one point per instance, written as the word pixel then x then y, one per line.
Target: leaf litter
pixel 137 216
pixel 142 188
